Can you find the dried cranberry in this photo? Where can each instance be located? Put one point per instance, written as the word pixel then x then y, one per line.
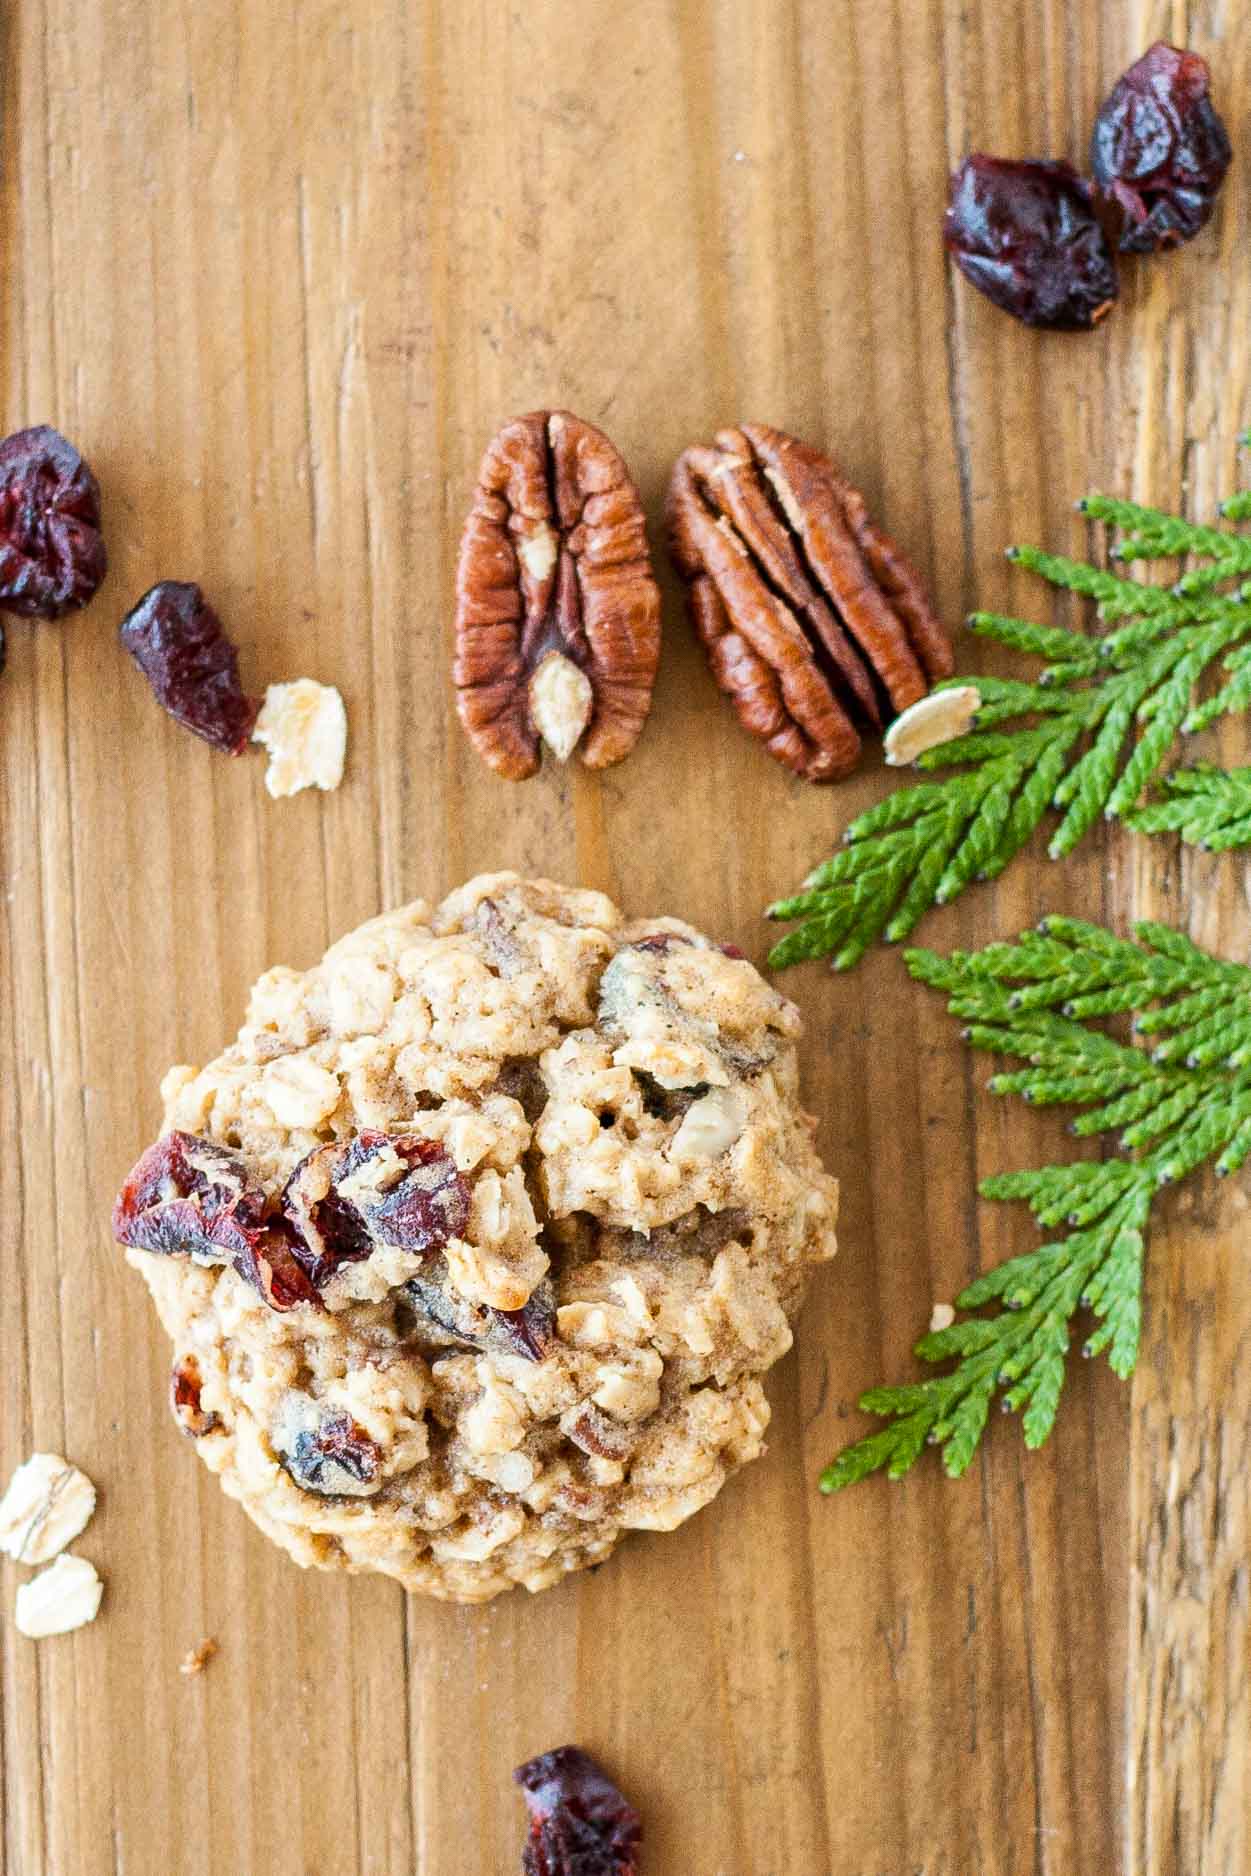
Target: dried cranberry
pixel 447 1317
pixel 176 639
pixel 327 1230
pixel 186 1197
pixel 52 555
pixel 336 1457
pixel 419 1211
pixel 1025 234
pixel 580 1825
pixel 1159 149
pixel 185 1383
pixel 427 1207
pixel 274 1262
pixel 531 1330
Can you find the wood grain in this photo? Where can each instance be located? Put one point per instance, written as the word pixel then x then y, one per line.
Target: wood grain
pixel 280 271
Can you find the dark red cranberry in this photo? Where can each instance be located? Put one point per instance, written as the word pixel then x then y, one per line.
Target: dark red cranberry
pixel 1025 234
pixel 52 555
pixel 334 1458
pixel 327 1230
pixel 176 639
pixel 187 1197
pixel 183 1196
pixel 274 1261
pixel 1159 149
pixel 580 1825
pixel 419 1212
pixel 429 1205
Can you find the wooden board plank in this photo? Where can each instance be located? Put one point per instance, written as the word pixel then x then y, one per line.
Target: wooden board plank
pixel 281 272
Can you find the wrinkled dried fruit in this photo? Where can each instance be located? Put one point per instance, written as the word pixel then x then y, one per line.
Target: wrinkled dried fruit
pixel 446 1317
pixel 557 609
pixel 1159 149
pixel 1025 234
pixel 395 1189
pixel 186 1197
pixel 176 639
pixel 185 1382
pixel 189 1197
pixel 52 555
pixel 815 625
pixel 697 1233
pixel 334 1457
pixel 580 1824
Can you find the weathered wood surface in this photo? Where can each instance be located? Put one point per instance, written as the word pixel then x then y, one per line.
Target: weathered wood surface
pixel 280 271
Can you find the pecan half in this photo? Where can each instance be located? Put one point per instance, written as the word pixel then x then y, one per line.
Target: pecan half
pixel 557 608
pixel 814 623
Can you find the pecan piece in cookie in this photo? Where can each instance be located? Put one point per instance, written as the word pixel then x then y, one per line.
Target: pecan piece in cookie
pixel 557 609
pixel 814 623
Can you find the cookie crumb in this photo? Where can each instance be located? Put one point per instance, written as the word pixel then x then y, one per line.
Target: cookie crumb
pixel 48 1503
pixel 303 725
pixel 197 1659
pixel 941 1317
pixel 65 1596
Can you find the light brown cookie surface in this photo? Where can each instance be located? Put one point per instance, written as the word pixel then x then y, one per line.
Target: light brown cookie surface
pixel 595 1124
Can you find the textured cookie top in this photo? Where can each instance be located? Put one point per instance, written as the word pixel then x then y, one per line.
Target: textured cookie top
pixel 546 1200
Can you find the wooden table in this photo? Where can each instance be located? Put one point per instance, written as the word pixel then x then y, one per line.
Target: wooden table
pixel 280 270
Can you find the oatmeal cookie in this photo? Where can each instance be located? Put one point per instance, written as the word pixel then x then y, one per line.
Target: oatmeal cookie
pixel 476 1243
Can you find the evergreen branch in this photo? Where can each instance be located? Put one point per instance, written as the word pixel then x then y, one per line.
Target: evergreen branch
pixel 1086 738
pixel 1207 806
pixel 1178 1105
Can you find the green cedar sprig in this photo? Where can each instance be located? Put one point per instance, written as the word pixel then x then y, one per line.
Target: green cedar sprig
pixel 1182 1103
pixel 1207 806
pixel 1085 737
